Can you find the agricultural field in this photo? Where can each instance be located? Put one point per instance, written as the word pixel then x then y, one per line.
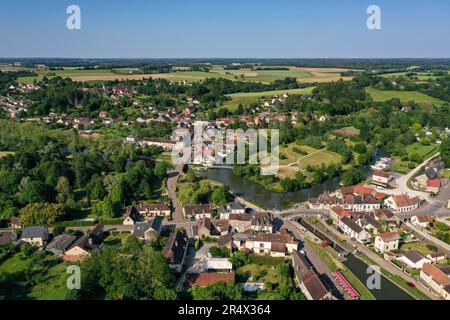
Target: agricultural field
pixel 404 96
pixel 421 76
pixel 250 97
pixel 308 75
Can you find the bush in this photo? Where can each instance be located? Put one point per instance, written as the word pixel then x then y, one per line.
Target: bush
pixel 219 252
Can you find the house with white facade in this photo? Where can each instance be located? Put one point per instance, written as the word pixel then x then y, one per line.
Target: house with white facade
pixel 402 203
pixel 386 242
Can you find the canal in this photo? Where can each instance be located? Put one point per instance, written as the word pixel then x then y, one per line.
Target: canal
pixel 387 291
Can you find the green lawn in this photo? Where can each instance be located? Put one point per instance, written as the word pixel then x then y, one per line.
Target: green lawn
pixel 116 239
pixel 418 246
pixel 404 96
pixel 421 149
pixel 50 285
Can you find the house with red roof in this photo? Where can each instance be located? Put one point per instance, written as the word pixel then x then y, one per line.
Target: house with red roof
pixel 433 186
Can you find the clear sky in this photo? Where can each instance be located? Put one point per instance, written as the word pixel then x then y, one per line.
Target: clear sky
pixel 225 29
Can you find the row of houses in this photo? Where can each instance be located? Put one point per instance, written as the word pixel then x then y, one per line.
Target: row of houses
pixel 308 280
pixel 274 244
pixel 66 246
pixel 364 199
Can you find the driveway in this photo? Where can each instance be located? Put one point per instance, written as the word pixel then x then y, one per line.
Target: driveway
pixel 196 264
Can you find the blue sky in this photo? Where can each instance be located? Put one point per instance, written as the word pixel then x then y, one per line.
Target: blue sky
pixel 225 29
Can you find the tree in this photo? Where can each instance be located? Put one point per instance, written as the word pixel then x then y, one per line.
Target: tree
pixel 351 177
pixel 133 271
pixel 190 175
pixel 96 189
pixel 220 196
pixel 62 190
pixel 239 259
pixel 33 191
pixel 217 291
pixel 219 252
pixel 42 214
pixel 160 170
pixel 106 208
pixel 445 151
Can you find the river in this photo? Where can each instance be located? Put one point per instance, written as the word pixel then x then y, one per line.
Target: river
pixel 258 195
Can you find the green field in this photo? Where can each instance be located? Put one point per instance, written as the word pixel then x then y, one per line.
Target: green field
pixel 49 285
pixel 421 149
pixel 314 157
pixel 309 75
pixel 404 96
pixel 421 76
pixel 295 161
pixel 250 97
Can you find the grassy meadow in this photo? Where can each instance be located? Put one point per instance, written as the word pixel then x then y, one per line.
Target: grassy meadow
pixel 404 96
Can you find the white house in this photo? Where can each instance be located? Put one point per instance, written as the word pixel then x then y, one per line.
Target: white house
pixel 421 221
pixel 402 203
pixel 386 242
pixel 381 178
pixel 413 259
pixel 436 279
pixel 353 230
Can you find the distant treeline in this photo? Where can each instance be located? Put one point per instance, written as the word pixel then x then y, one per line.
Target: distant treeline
pixel 364 64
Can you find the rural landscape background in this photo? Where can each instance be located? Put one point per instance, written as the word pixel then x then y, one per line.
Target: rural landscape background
pixel 93 95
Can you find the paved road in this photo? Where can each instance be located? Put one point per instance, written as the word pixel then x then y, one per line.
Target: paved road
pixel 300 211
pixel 435 207
pixel 177 210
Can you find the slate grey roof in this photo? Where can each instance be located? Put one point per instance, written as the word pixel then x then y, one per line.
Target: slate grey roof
pixel 414 256
pixel 140 228
pixel 236 206
pixel 352 225
pixel 60 243
pixel 175 248
pixel 35 232
pixel 431 173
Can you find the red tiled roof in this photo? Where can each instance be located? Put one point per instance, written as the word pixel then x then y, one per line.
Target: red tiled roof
pixel 208 278
pixel 389 236
pixel 363 190
pixel 437 275
pixel 436 183
pixel 341 212
pixel 405 201
pixel 383 174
